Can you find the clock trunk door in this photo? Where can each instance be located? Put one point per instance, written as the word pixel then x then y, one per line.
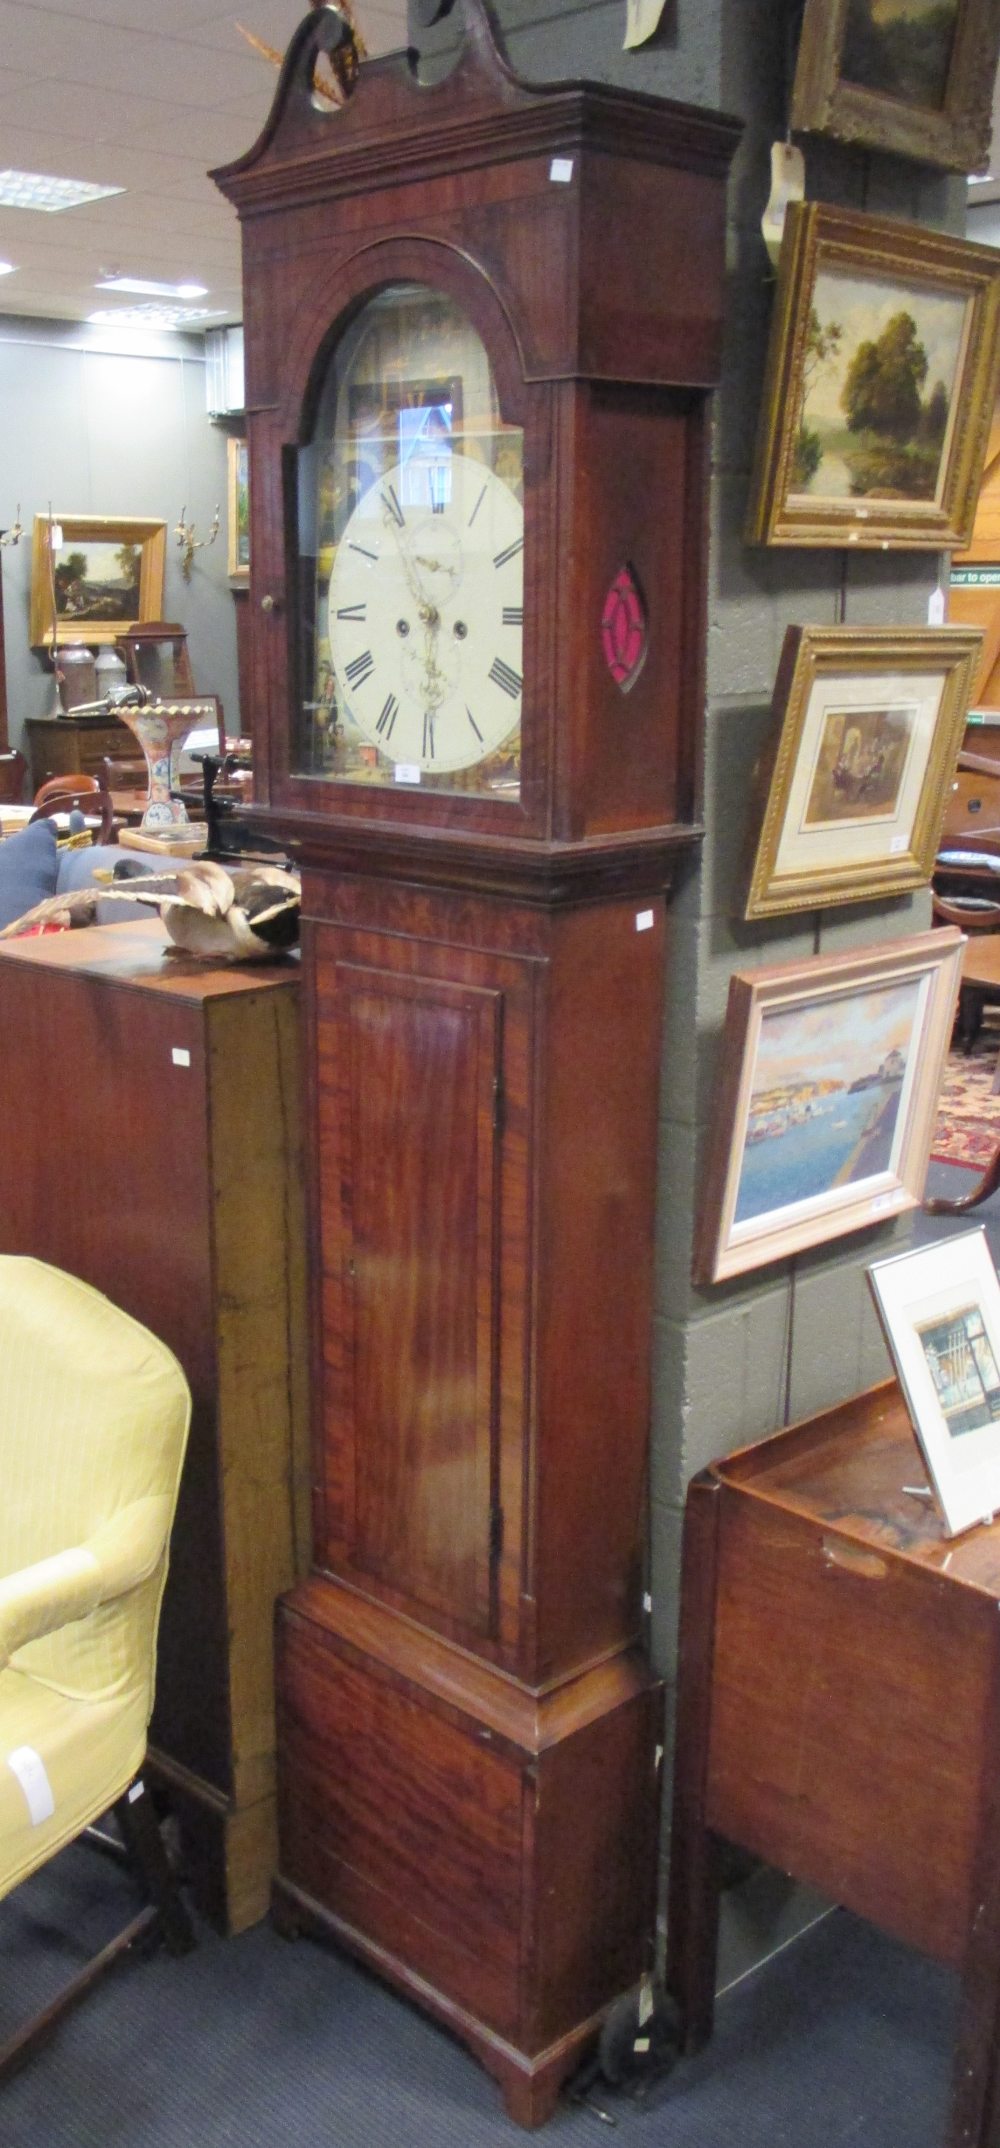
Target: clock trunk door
pixel 409 1194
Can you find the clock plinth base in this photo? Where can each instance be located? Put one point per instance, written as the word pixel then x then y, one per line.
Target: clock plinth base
pixel 488 1849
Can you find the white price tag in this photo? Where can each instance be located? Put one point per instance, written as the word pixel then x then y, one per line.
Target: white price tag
pixel 180 1056
pixel 898 843
pixel 29 1768
pixel 561 171
pixel 644 920
pixel 406 772
pixel 935 607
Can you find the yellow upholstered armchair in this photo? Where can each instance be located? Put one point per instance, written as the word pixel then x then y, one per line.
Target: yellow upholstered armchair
pixel 93 1423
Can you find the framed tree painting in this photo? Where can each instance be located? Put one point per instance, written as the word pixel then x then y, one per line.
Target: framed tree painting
pixel 880 382
pixel 869 722
pixel 911 76
pixel 94 575
pixel 827 1098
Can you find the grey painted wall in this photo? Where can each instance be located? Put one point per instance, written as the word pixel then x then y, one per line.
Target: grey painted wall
pixel 93 432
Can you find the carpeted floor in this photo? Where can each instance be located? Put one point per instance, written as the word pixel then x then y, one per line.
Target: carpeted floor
pixel 843 2040
pixel 968 1126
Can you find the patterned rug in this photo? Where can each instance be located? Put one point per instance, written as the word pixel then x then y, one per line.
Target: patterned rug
pixel 968 1126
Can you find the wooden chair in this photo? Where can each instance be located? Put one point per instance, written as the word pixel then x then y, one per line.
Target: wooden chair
pixel 90 799
pixel 57 786
pixel 13 773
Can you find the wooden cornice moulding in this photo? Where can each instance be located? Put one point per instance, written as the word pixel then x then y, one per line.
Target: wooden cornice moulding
pixel 404 136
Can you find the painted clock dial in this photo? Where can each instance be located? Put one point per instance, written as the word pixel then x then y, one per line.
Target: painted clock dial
pixel 426 608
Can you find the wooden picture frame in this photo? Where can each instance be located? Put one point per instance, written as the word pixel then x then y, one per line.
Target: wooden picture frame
pixel 939 1306
pixel 827 1098
pixel 880 382
pixel 883 85
pixel 869 722
pixel 93 609
pixel 238 517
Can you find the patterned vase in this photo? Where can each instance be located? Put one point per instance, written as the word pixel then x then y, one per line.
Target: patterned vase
pixel 158 728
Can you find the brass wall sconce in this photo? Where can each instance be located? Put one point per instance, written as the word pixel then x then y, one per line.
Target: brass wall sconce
pixel 184 534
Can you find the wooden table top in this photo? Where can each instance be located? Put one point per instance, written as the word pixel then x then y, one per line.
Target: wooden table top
pixel 981 959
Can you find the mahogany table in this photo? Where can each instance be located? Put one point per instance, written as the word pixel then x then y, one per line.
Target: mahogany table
pixel 839 1712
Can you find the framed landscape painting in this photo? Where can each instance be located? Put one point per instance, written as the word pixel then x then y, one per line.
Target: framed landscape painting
pixel 870 721
pixel 826 1104
pixel 940 1311
pixel 103 574
pixel 238 519
pixel 881 377
pixel 911 76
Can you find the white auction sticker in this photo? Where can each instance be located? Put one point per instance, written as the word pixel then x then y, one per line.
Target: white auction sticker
pixel 29 1768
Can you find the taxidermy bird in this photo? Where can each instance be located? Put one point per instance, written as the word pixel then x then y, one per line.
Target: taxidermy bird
pixel 243 915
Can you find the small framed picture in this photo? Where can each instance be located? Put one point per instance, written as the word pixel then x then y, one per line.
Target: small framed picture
pixel 940 1310
pixel 827 1098
pixel 911 76
pixel 879 388
pixel 869 722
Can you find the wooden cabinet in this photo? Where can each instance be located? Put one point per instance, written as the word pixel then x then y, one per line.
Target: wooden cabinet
pixel 839 1711
pixel 152 1145
pixel 73 746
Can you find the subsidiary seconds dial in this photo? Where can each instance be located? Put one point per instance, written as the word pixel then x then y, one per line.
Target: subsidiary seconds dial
pixel 426 613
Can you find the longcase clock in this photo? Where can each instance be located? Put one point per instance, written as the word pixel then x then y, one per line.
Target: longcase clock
pixel 482 320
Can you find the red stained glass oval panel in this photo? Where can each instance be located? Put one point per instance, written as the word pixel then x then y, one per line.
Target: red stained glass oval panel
pixel 624 629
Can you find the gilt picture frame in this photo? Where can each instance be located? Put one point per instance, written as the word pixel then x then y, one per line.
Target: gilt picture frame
pixel 105 574
pixel 939 1306
pixel 868 725
pixel 914 77
pixel 238 517
pixel 880 381
pixel 826 1100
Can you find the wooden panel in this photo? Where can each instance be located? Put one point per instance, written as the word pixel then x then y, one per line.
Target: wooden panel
pixel 845 1741
pixel 419 1240
pixel 130 1170
pixel 401 1821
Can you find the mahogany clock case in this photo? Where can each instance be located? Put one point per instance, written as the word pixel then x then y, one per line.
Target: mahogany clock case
pixel 604 332
pixel 469 1740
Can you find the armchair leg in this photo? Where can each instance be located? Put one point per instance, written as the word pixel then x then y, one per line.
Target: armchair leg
pixel 137 1820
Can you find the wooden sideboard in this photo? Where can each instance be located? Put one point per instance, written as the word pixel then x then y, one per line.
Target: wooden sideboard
pixel 839 1712
pixel 74 746
pixel 150 1142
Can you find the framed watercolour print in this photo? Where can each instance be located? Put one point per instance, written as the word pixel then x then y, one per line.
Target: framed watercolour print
pixel 911 76
pixel 881 377
pixel 940 1310
pixel 870 723
pixel 826 1103
pixel 103 574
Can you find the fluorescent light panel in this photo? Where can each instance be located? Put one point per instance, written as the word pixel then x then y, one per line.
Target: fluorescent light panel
pixel 7 268
pixel 143 287
pixel 152 316
pixel 36 190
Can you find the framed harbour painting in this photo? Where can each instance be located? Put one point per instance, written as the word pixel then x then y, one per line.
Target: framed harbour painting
pixel 826 1103
pixel 940 1311
pixel 881 377
pixel 911 76
pixel 869 722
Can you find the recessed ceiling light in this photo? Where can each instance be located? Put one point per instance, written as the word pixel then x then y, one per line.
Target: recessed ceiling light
pixel 35 190
pixel 152 316
pixel 143 287
pixel 7 268
pixel 982 179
